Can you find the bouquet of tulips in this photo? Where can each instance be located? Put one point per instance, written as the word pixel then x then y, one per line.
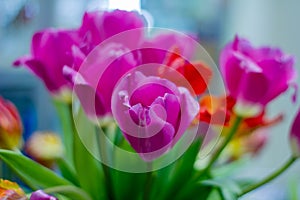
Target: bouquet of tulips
pixel 145 114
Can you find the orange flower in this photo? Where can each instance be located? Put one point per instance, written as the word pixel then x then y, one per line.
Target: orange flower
pixel 219 110
pixel 249 125
pixel 216 110
pixel 10 126
pixel 197 74
pixel 249 138
pixel 11 191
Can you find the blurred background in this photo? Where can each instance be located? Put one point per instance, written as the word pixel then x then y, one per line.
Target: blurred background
pixel 268 22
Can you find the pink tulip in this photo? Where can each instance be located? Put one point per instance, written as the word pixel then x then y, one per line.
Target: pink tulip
pixel 98 26
pixel 153 113
pixel 50 52
pixel 95 80
pixel 255 76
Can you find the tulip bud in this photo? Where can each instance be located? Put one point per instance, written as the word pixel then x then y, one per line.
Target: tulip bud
pixel 45 147
pixel 10 126
pixel 11 191
pixel 295 135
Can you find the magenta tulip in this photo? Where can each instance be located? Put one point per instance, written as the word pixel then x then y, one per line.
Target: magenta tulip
pixel 153 113
pixel 40 195
pixel 96 78
pixel 50 51
pixel 255 76
pixel 105 64
pixel 98 26
pixel 155 50
pixel 295 135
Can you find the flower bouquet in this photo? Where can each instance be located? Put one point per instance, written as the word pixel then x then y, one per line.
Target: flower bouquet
pixel 145 114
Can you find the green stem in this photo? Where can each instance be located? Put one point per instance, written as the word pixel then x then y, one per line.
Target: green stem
pixel 148 182
pixel 64 111
pixel 67 170
pixel 101 139
pixel 220 149
pixel 230 135
pixel 75 191
pixel 270 177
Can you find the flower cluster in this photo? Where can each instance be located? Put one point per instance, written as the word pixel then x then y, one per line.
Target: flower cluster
pixel 149 96
pixel 93 58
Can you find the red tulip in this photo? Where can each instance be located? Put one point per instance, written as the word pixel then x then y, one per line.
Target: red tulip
pixel 10 126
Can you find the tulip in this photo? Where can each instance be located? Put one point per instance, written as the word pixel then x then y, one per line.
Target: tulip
pixel 94 82
pixel 11 191
pixel 50 51
pixel 255 76
pixel 10 126
pixel 216 110
pixel 157 48
pixel 153 113
pixel 45 148
pixel 173 52
pixel 98 26
pixel 295 135
pixel 40 195
pixel 196 73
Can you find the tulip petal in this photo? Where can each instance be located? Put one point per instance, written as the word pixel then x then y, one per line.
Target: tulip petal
pixel 50 52
pixel 189 110
pixel 254 87
pixel 152 147
pixel 152 113
pixel 255 75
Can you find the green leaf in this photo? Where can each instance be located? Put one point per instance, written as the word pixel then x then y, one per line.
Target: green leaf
pixel 215 194
pixel 88 168
pixel 228 189
pixel 230 168
pixel 71 192
pixel 35 175
pixel 182 170
pixel 67 171
pixel 195 191
pixel 128 185
pixel 161 182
